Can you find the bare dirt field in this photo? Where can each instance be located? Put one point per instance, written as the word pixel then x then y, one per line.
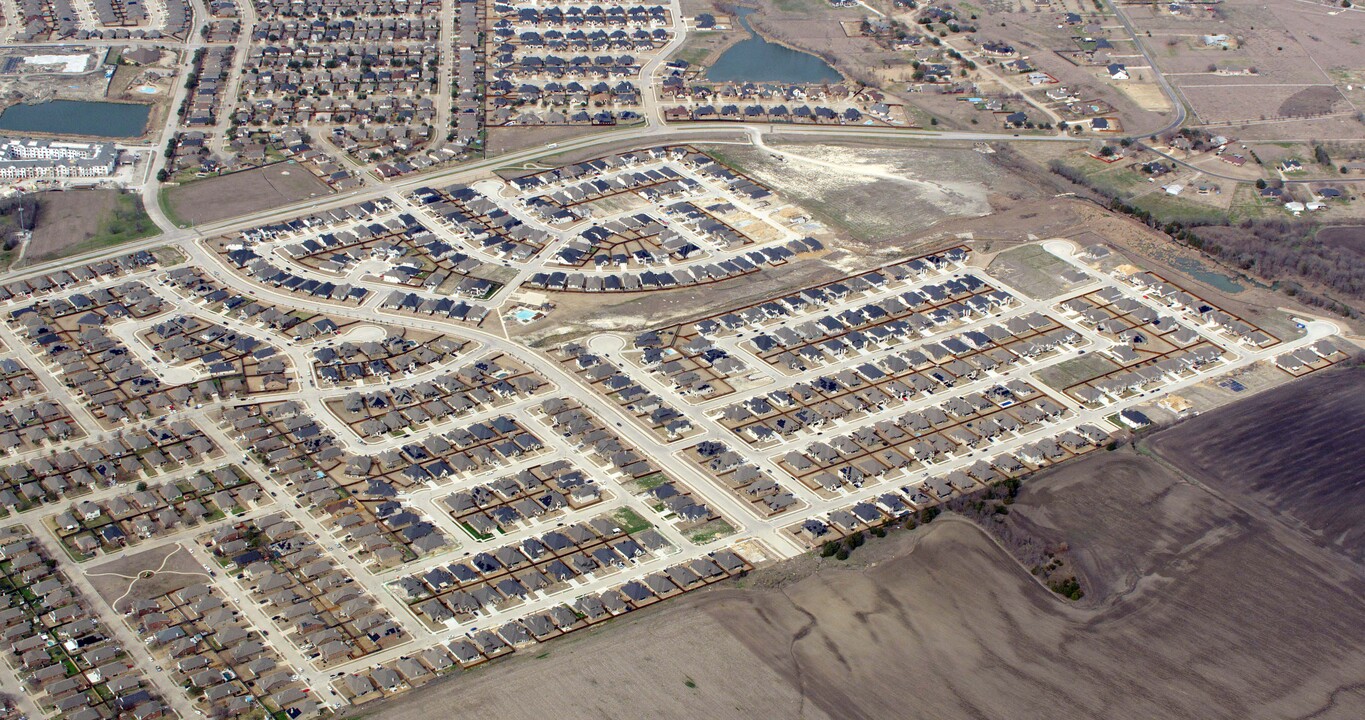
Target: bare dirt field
pixel 242 193
pixel 1194 608
pixel 1287 449
pixel 502 140
pixel 67 218
pixel 120 581
pixel 79 220
pixel 873 195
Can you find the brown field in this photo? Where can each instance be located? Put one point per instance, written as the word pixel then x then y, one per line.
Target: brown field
pixel 1195 606
pixel 118 581
pixel 77 221
pixel 68 218
pixel 1287 449
pixel 243 193
pixel 503 140
pixel 1300 53
pixel 1232 104
pixel 1350 238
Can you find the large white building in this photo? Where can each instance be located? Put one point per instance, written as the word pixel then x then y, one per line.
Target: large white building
pixel 26 158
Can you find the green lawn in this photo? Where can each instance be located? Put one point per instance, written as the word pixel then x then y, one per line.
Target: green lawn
pixel 1170 209
pixel 630 520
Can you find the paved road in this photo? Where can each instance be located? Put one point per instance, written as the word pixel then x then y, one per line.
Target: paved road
pixel 1177 103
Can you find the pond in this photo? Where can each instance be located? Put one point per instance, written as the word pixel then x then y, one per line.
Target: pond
pixel 757 60
pixel 77 117
pixel 1196 270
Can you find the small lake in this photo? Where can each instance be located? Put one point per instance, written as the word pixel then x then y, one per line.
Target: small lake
pixel 757 60
pixel 1198 271
pixel 76 117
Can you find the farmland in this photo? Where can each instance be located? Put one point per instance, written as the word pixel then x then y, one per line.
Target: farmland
pixel 940 617
pixel 1310 481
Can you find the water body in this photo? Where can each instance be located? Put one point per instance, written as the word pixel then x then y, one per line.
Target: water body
pixel 77 117
pixel 757 60
pixel 1196 270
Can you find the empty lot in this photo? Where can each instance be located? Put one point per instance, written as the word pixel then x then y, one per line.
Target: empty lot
pixel 77 221
pixel 242 193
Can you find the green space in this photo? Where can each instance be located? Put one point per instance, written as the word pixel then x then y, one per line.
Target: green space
pixel 630 521
pixel 710 531
pixel 1171 209
pixel 649 482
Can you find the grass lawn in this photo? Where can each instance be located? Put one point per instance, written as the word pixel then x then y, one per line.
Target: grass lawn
pixel 631 522
pixel 1170 209
pixel 710 531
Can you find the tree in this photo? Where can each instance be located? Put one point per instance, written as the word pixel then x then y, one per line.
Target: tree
pixel 1320 154
pixel 162 175
pixel 1260 183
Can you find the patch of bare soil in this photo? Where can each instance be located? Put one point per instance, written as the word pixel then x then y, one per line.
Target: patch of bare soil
pixel 502 140
pixel 1316 100
pixel 1289 450
pixel 871 195
pixel 70 218
pixel 244 192
pixel 146 574
pixel 673 662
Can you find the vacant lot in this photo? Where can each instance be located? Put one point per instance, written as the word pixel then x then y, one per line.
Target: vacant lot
pixel 1031 270
pixel 242 193
pixel 77 221
pixel 1290 450
pixel 878 196
pixel 119 581
pixel 1194 607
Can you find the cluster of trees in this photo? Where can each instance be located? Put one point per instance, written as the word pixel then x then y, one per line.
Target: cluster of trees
pixel 989 510
pixel 21 211
pixel 1290 251
pixel 1283 251
pixel 840 549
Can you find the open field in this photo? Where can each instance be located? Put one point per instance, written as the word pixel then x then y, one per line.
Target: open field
pixel 874 196
pixel 241 193
pixel 79 221
pixel 503 140
pixel 1286 449
pixel 119 581
pixel 1283 60
pixel 1194 608
pixel 1031 270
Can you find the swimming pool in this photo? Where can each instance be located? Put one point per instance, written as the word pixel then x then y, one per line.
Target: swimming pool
pixel 525 315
